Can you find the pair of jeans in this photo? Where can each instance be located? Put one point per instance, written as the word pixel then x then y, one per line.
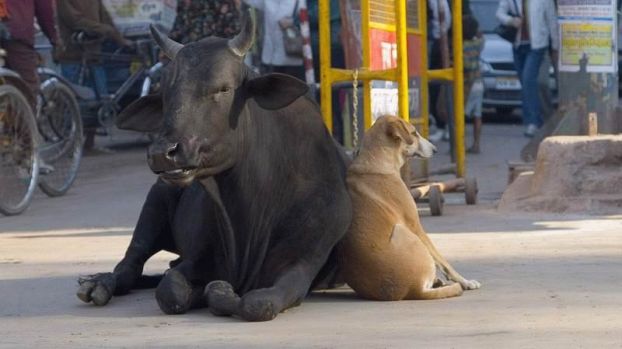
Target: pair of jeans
pixel 527 62
pixel 95 77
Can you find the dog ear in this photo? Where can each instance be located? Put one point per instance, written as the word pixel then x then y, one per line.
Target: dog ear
pixel 396 129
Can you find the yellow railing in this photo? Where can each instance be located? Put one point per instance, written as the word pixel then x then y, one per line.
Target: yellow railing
pixel 330 75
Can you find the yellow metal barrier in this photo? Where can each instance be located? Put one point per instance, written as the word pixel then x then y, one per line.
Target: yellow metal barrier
pixel 400 73
pixel 458 90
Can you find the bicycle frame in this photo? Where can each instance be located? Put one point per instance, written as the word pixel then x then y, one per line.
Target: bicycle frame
pixel 146 87
pixel 81 92
pixel 109 105
pixel 127 84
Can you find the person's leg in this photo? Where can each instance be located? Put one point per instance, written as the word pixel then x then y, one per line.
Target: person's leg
pixel 520 55
pixel 443 109
pixel 70 71
pixel 99 80
pixel 22 58
pixel 476 98
pixel 435 62
pixel 531 107
pixel 477 132
pixel 469 106
pixel 434 90
pixel 544 90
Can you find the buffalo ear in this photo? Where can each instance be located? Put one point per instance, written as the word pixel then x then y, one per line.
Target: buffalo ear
pixel 276 91
pixel 142 115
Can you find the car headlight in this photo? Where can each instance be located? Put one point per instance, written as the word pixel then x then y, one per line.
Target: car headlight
pixel 484 66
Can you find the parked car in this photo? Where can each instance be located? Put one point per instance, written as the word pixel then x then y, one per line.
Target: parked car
pixel 502 88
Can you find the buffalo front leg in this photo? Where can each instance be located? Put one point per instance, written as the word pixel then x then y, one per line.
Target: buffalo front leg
pixel 261 304
pixel 152 234
pixel 197 217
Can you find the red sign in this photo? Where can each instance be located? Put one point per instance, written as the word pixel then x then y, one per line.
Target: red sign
pixel 383 51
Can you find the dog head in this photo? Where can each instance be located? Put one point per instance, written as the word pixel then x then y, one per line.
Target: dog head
pixel 402 134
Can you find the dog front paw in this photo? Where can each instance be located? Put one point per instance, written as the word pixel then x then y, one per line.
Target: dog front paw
pixel 470 284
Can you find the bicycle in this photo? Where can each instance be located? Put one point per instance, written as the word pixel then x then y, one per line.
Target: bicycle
pixel 39 145
pixel 99 112
pixel 60 125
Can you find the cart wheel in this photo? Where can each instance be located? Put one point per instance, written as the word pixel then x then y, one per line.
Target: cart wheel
pixel 436 200
pixel 470 191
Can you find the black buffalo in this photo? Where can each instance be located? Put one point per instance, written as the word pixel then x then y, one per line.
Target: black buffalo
pixel 251 191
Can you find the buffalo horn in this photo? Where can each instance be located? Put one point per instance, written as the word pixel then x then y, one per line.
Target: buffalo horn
pixel 169 46
pixel 241 43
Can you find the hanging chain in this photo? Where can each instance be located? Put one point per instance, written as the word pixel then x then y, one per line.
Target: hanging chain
pixel 355 107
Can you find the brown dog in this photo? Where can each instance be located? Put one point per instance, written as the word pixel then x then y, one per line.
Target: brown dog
pixel 386 254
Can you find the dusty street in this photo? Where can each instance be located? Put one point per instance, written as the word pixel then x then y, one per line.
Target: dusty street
pixel 549 281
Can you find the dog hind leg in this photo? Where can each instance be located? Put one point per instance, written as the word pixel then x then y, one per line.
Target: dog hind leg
pixel 444 265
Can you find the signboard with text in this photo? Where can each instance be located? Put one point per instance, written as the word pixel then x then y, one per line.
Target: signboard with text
pixel 383 50
pixel 587 33
pixel 133 17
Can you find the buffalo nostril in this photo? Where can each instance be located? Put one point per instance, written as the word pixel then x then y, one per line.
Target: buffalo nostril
pixel 171 151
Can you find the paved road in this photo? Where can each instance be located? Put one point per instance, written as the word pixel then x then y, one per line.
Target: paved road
pixel 549 281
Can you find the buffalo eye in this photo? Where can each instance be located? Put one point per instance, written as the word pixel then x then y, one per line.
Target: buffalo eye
pixel 216 93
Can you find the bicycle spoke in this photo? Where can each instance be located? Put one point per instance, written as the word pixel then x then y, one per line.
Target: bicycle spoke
pixel 62 149
pixel 18 155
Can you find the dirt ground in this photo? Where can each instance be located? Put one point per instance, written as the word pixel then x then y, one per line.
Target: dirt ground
pixel 549 281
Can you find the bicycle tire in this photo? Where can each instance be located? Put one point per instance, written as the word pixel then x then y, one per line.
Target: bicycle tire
pixel 19 159
pixel 60 125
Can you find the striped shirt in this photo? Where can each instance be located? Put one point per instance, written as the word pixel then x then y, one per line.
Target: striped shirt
pixel 471 52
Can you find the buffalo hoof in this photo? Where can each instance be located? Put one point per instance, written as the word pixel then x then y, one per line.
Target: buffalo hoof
pixel 257 305
pixel 174 293
pixel 221 298
pixel 96 288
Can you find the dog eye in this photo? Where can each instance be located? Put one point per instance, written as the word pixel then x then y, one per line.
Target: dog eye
pixel 225 90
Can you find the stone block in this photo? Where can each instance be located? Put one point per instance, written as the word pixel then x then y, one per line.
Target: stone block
pixel 572 174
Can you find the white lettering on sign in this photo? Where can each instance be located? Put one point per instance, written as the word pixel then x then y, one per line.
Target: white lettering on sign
pixel 389 54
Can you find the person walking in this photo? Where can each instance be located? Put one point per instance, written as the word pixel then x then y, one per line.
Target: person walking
pixel 91 17
pixel 537 26
pixel 21 54
pixel 439 24
pixel 473 43
pixel 277 14
pixel 337 53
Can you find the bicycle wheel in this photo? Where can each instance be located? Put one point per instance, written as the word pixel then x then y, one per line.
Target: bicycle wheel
pixel 60 126
pixel 19 160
